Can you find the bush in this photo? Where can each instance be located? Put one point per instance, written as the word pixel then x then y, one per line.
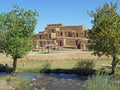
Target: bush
pixel 46 67
pixel 85 64
pixel 84 67
pixel 100 82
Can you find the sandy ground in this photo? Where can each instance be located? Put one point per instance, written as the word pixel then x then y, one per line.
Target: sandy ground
pixel 56 55
pixel 59 55
pixel 58 59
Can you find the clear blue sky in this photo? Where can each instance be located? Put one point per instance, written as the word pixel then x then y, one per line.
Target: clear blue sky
pixel 68 12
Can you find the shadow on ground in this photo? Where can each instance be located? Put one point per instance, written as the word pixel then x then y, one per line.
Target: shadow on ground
pixel 85 72
pixel 5 68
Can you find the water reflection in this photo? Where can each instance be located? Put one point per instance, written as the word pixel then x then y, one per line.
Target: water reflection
pixel 65 76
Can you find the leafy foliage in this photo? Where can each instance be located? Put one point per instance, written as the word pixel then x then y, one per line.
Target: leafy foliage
pixel 105 33
pixel 85 67
pixel 46 67
pixel 17 27
pixel 85 64
pixel 2 39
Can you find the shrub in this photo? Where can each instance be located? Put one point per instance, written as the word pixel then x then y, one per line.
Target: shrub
pixel 85 64
pixel 100 82
pixel 46 67
pixel 84 67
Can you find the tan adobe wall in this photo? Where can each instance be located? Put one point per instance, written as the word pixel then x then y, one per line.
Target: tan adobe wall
pixel 36 36
pixel 67 33
pixel 55 25
pixel 63 36
pixel 50 29
pixel 77 28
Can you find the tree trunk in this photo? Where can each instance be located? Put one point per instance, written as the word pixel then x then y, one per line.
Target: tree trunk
pixel 14 65
pixel 114 63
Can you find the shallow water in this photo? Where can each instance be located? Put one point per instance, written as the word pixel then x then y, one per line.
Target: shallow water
pixel 52 81
pixel 2 74
pixel 31 75
pixel 28 75
pixel 65 76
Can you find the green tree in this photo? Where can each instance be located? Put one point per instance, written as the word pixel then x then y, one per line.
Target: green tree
pixel 105 34
pixel 17 27
pixel 1 41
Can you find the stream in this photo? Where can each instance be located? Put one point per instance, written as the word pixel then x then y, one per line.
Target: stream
pixel 53 81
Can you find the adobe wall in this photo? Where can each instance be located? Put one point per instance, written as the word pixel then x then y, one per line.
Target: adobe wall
pixel 63 36
pixel 76 28
pixel 55 25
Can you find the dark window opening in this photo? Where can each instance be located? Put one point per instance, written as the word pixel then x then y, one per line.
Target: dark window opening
pixel 69 34
pixel 61 34
pixel 77 35
pixel 76 43
pixel 61 44
pixel 52 30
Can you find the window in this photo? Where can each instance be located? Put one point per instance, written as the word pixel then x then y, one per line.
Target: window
pixel 69 34
pixel 61 34
pixel 77 34
pixel 52 30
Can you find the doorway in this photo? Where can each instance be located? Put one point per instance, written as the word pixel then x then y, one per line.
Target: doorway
pixel 61 44
pixel 78 44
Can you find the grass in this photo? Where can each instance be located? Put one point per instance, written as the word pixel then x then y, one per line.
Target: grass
pixel 66 65
pixel 16 83
pixel 100 61
pixel 101 82
pixel 36 65
pixel 25 65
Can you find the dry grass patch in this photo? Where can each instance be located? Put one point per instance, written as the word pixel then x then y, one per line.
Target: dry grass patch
pixel 34 62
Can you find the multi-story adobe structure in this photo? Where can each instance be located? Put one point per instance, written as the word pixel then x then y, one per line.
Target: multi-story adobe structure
pixel 59 35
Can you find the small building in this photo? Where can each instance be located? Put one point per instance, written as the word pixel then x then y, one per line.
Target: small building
pixel 63 36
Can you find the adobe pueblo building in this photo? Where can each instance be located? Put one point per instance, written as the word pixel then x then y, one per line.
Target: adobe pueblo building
pixel 58 35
